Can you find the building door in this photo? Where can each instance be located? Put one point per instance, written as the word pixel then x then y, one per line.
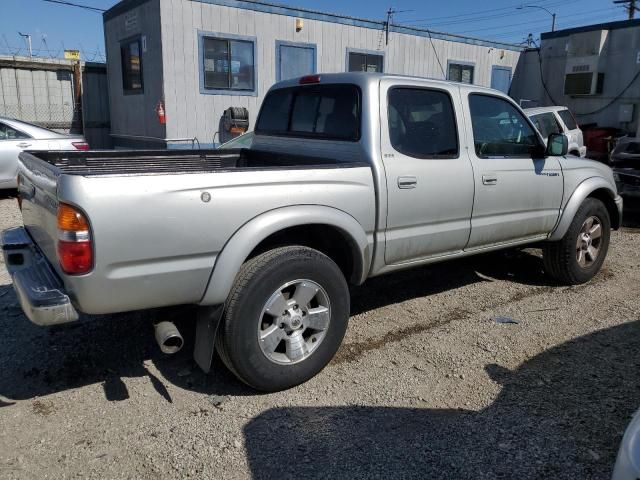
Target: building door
pixel 294 60
pixel 501 78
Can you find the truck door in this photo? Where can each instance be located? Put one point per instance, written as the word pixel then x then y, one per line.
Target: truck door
pixel 428 173
pixel 518 192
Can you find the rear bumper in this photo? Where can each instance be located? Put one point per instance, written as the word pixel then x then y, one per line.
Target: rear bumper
pixel 38 288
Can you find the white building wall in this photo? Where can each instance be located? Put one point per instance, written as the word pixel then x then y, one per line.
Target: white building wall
pixel 192 114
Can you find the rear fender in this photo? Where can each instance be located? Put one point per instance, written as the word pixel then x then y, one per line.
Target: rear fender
pixel 250 235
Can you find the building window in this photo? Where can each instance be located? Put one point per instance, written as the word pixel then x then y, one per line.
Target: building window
pixel 131 55
pixel 365 62
pixel 228 64
pixel 461 72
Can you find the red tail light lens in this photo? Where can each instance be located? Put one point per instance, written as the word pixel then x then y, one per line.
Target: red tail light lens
pixel 75 249
pixel 80 145
pixel 75 257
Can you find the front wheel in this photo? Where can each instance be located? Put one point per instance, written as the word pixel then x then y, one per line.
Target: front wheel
pixel 285 319
pixel 578 257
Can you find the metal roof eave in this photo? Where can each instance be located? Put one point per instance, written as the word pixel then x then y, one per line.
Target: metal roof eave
pixel 278 9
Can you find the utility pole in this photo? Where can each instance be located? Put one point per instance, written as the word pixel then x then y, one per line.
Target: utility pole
pixel 27 37
pixel 629 6
pixel 387 25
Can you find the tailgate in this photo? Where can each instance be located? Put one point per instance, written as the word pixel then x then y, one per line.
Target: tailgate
pixel 37 189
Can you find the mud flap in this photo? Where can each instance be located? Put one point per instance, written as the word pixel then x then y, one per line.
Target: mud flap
pixel 206 329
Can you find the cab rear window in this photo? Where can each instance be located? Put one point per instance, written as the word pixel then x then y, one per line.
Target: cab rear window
pixel 330 112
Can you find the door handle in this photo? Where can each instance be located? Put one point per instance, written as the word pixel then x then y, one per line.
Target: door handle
pixel 489 179
pixel 407 182
pixel 24 144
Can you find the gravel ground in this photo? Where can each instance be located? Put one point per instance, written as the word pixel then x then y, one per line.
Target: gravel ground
pixel 426 385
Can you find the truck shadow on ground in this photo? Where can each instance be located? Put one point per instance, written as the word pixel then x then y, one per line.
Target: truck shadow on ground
pixel 559 415
pixel 37 361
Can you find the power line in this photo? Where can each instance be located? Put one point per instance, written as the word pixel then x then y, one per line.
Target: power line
pixel 579 19
pixel 444 75
pixel 578 23
pixel 471 14
pixel 77 5
pixel 545 22
pixel 506 12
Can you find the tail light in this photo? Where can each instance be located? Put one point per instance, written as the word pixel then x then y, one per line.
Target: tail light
pixel 80 145
pixel 75 249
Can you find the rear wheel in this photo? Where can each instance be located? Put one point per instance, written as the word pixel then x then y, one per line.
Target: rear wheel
pixel 285 319
pixel 578 257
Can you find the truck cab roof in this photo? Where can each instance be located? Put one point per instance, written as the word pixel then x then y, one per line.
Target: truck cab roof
pixel 366 80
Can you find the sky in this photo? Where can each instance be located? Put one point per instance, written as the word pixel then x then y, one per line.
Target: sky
pixel 54 27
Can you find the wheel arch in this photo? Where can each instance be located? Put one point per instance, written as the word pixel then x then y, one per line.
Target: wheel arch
pixel 595 187
pixel 327 229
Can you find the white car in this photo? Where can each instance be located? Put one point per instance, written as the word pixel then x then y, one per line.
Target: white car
pixel 550 120
pixel 16 136
pixel 628 462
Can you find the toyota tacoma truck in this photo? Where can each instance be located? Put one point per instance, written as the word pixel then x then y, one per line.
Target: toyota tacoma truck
pixel 350 176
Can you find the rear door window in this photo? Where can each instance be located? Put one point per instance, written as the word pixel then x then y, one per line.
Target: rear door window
pixel 546 124
pixel 422 123
pixel 319 111
pixel 567 118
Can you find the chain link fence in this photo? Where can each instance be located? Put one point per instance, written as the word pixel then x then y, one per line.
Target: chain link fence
pixel 61 118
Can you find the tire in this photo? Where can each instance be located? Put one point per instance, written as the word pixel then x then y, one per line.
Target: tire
pixel 562 259
pixel 252 311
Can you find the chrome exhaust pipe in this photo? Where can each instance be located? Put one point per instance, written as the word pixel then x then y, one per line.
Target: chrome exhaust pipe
pixel 168 337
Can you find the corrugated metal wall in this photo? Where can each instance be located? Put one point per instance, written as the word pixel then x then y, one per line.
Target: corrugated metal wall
pixel 41 91
pixel 42 96
pixel 193 114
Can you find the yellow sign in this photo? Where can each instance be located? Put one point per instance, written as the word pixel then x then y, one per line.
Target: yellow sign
pixel 72 54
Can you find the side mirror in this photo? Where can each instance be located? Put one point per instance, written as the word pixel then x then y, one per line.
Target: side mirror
pixel 557 145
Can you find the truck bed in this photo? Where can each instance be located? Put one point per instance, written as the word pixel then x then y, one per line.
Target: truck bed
pixel 149 162
pixel 159 219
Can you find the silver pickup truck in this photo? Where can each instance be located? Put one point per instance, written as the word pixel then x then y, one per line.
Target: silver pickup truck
pixel 350 176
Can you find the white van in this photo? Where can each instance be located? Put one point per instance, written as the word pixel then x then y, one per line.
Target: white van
pixel 550 120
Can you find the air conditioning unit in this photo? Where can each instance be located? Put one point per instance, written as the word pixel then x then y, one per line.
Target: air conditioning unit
pixel 584 54
pixel 583 83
